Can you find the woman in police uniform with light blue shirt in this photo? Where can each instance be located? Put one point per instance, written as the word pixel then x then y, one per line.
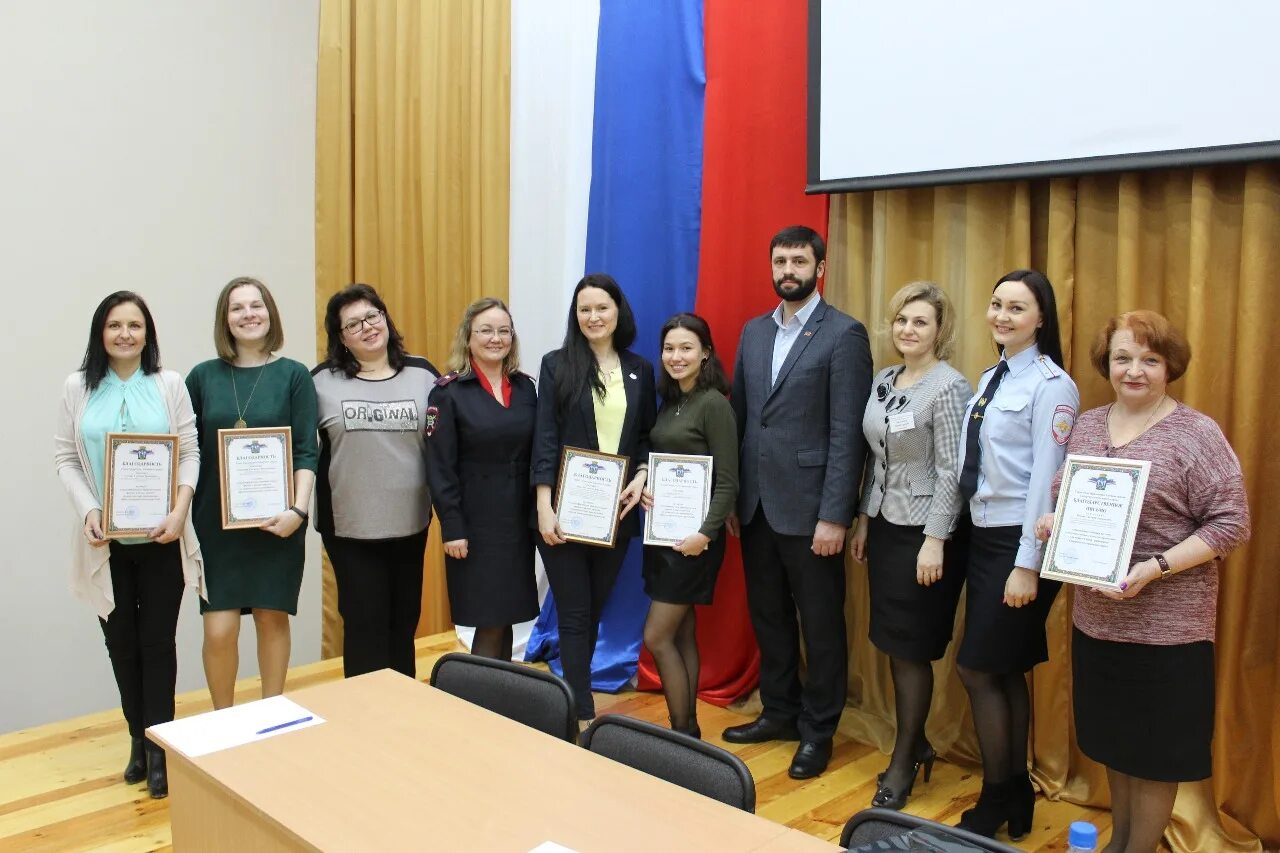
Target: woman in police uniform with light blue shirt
pixel 1015 437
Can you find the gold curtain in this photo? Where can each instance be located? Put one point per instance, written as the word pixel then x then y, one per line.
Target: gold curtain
pixel 412 173
pixel 1201 246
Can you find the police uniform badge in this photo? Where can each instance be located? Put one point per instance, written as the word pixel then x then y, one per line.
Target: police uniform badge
pixel 433 414
pixel 1064 418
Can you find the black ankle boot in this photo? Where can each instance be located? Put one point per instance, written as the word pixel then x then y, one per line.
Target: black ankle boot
pixel 157 773
pixel 1022 805
pixel 991 811
pixel 136 770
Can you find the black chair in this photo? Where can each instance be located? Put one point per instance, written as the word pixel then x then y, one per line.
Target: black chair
pixel 883 829
pixel 538 699
pixel 674 756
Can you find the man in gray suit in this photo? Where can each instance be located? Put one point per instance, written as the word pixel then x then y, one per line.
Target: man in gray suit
pixel 800 384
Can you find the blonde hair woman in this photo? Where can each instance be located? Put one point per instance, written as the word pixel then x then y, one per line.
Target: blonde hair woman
pixel 480 426
pixel 909 517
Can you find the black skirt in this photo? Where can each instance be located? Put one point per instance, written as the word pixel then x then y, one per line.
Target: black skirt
pixel 1000 639
pixel 1145 711
pixel 911 621
pixel 672 578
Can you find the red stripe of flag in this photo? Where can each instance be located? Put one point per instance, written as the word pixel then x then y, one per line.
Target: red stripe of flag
pixel 753 180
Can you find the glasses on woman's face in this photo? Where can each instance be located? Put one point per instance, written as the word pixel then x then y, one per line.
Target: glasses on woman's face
pixel 485 333
pixel 353 327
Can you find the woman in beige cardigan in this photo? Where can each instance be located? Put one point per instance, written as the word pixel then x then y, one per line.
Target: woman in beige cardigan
pixel 134 584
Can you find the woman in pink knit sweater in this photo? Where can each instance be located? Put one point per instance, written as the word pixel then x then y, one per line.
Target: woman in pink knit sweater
pixel 1142 658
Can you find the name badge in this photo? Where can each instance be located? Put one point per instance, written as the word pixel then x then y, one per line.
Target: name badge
pixel 902 421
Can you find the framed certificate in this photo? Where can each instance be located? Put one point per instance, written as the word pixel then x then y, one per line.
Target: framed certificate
pixel 1096 520
pixel 255 472
pixel 681 487
pixel 590 487
pixel 140 483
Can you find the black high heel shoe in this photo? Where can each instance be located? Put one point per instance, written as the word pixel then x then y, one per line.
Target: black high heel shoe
pixel 136 770
pixel 691 729
pixel 926 757
pixel 887 798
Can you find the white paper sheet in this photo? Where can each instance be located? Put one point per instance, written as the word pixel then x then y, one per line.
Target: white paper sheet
pixel 254 721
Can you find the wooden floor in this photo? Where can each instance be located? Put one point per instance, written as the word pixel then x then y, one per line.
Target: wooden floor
pixel 60 785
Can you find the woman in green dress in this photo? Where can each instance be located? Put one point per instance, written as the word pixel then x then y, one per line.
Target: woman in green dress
pixel 695 419
pixel 256 571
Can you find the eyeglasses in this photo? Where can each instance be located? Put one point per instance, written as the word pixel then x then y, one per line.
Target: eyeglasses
pixel 486 332
pixel 373 318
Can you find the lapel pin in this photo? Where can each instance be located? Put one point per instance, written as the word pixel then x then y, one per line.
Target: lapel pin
pixel 632 375
pixel 808 334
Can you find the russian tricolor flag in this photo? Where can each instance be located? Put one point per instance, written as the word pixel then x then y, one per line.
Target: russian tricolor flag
pixel 662 142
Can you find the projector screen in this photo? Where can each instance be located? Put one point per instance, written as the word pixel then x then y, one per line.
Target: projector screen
pixel 924 92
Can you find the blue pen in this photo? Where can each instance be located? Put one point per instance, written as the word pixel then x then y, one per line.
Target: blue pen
pixel 278 726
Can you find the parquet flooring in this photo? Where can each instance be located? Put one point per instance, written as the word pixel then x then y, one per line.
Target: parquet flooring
pixel 60 786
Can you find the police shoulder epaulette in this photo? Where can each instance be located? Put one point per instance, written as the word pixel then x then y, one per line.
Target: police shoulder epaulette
pixel 1048 368
pixel 446 379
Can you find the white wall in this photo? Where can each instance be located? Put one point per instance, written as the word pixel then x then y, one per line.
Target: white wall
pixel 163 147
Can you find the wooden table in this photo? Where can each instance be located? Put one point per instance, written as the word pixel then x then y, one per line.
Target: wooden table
pixel 399 765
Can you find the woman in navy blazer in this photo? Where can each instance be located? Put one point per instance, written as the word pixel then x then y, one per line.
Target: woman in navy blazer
pixel 595 394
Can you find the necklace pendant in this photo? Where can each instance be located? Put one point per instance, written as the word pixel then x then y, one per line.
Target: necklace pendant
pixel 240 424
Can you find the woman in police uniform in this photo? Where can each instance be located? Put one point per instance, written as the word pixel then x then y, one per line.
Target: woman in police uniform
pixel 479 434
pixel 1014 439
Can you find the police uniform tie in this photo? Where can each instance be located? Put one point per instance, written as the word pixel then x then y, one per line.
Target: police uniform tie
pixel 972 449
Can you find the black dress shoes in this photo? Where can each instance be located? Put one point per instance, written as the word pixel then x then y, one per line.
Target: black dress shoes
pixel 760 730
pixel 811 759
pixel 136 770
pixel 157 773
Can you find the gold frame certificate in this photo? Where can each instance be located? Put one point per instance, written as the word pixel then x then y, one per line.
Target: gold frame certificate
pixel 255 474
pixel 587 496
pixel 140 483
pixel 681 487
pixel 1095 521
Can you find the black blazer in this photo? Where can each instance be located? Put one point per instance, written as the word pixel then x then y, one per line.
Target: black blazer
pixel 577 426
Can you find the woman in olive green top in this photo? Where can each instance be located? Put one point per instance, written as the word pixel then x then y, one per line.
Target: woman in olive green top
pixel 253 570
pixel 696 419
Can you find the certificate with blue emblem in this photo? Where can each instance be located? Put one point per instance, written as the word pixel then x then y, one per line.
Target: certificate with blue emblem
pixel 140 483
pixel 255 473
pixel 1095 521
pixel 681 488
pixel 587 496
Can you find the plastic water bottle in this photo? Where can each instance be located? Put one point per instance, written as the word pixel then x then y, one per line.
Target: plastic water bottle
pixel 1082 837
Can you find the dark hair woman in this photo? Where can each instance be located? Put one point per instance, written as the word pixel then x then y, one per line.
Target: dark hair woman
pixel 135 584
pixel 253 570
pixel 373 506
pixel 593 393
pixel 695 419
pixel 1015 435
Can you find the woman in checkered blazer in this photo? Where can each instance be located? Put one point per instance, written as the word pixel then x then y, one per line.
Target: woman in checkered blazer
pixel 907 520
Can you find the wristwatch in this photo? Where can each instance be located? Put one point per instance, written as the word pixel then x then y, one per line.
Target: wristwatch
pixel 1165 571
